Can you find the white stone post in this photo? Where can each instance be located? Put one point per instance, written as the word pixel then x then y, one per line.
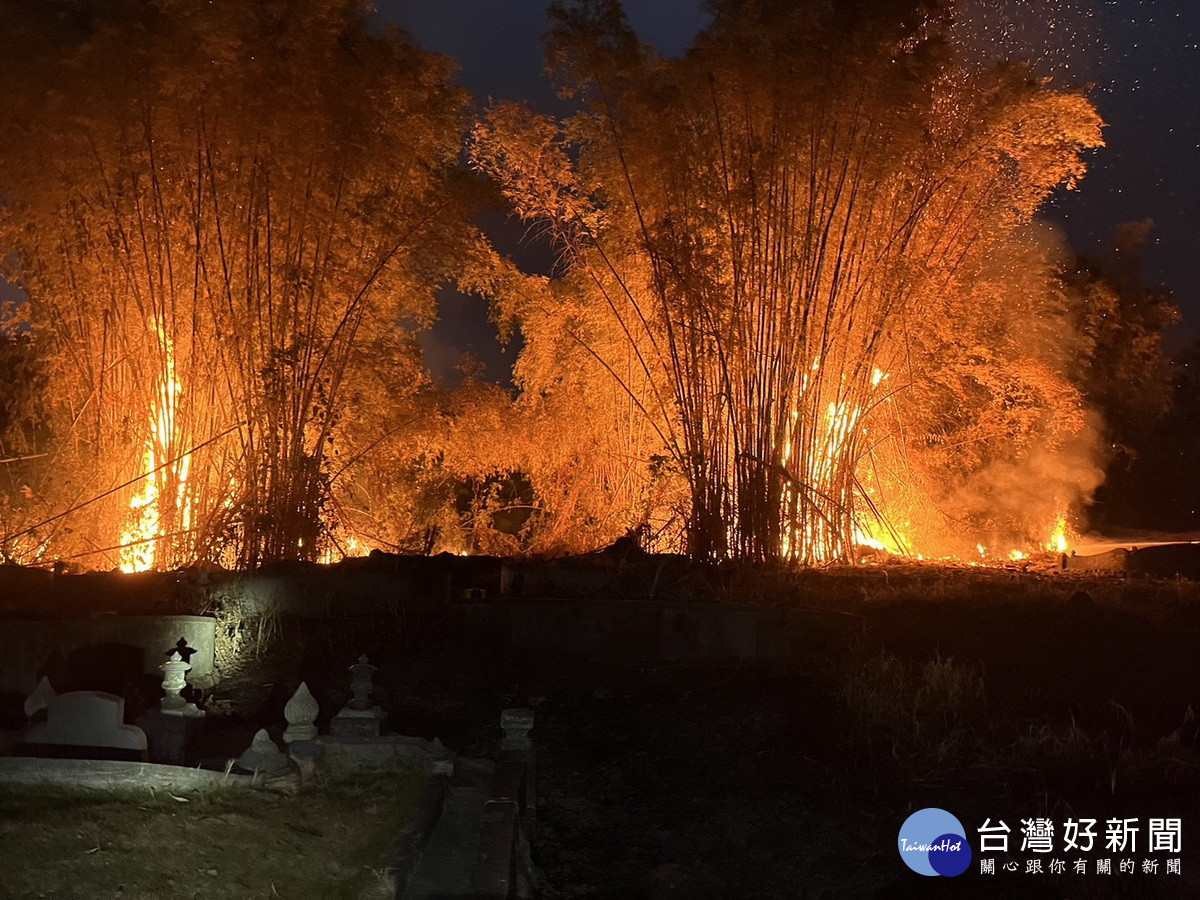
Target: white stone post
pixel 174 681
pixel 516 723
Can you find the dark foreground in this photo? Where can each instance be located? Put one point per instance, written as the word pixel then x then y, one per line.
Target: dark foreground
pixel 994 696
pixel 1001 697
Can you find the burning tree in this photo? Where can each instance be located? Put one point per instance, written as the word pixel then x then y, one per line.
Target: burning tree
pixel 765 240
pixel 221 213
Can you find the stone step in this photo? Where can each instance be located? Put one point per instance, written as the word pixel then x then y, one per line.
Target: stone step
pixel 450 859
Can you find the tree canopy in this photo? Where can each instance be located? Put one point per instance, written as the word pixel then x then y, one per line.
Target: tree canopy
pixel 222 213
pixel 803 304
pixel 786 250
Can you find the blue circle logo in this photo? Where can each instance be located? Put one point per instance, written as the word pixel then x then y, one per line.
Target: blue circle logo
pixel 933 842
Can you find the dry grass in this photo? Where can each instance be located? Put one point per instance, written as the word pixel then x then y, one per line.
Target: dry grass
pixel 246 630
pixel 929 714
pixel 218 844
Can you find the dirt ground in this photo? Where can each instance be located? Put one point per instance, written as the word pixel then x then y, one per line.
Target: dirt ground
pixel 233 843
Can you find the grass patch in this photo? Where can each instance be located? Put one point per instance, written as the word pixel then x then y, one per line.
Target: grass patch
pixel 327 842
pixel 926 714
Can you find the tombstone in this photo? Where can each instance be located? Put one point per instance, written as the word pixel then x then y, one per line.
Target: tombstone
pixel 263 756
pixel 359 718
pixel 40 698
pixel 300 712
pixel 87 724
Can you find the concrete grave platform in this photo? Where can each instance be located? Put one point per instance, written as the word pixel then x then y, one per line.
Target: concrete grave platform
pixel 113 775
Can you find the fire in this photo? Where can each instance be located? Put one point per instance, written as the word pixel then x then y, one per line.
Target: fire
pixel 814 540
pixel 141 536
pixel 882 537
pixel 350 546
pixel 829 421
pixel 1058 539
pixel 865 540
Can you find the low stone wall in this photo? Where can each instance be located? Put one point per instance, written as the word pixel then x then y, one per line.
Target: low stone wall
pixel 1175 560
pixel 1111 561
pixel 626 630
pixel 27 647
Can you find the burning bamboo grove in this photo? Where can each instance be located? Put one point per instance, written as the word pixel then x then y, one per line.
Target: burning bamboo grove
pixel 767 227
pixel 792 320
pixel 209 257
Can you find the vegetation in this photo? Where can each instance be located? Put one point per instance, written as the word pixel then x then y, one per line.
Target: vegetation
pixel 327 842
pixel 221 214
pixel 802 303
pixel 801 257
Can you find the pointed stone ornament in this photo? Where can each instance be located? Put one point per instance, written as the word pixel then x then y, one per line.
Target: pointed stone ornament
pixel 300 712
pixel 40 698
pixel 263 755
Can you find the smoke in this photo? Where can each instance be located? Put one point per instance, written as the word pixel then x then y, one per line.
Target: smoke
pixel 1016 503
pixel 1037 451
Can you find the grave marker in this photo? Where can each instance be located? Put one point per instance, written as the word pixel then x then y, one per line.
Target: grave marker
pixel 87 719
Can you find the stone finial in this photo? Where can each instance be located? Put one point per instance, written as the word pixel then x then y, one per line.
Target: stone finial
pixel 300 712
pixel 360 683
pixel 40 698
pixel 516 723
pixel 182 650
pixel 175 671
pixel 263 755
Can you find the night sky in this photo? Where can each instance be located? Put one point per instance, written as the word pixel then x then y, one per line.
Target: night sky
pixel 1148 81
pixel 497 45
pixel 1141 59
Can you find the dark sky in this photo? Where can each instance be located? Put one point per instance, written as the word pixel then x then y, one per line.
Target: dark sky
pixel 497 45
pixel 1148 82
pixel 1141 59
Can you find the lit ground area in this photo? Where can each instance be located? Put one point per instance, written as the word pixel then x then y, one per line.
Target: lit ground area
pixel 224 844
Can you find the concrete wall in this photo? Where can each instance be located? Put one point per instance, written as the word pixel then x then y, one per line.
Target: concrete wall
pixel 1111 561
pixel 1158 561
pixel 626 630
pixel 26 647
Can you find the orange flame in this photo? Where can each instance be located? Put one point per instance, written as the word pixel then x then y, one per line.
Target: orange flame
pixel 140 538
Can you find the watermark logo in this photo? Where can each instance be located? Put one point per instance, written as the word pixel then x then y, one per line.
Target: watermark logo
pixel 933 842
